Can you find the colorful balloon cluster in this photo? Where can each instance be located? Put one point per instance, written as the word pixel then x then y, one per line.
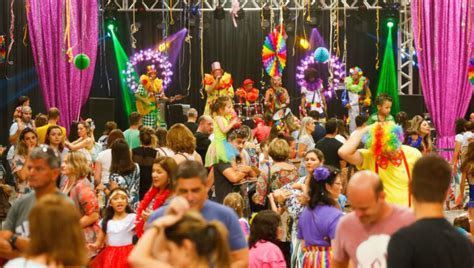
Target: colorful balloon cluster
pixel 274 53
pixel 471 72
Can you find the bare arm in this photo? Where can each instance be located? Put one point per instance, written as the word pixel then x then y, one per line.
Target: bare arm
pixel 337 264
pixel 87 220
pixel 240 258
pixel 97 173
pixel 220 124
pixel 233 175
pixel 457 150
pixel 142 253
pixel 77 145
pixel 349 152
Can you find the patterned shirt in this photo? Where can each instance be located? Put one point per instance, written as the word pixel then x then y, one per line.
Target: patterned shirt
pixel 131 183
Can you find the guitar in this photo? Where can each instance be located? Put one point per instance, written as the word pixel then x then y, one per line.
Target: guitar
pixel 147 105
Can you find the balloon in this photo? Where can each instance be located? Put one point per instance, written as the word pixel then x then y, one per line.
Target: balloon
pixel 321 54
pixel 82 61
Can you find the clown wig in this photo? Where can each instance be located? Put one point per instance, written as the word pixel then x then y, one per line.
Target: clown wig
pixel 384 138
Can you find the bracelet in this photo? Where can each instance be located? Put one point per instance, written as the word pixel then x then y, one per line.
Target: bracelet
pixel 12 241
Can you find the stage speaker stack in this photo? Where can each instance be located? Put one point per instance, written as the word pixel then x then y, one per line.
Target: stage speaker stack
pixel 177 114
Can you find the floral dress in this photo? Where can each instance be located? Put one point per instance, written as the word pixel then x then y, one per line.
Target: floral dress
pixel 131 183
pixel 275 178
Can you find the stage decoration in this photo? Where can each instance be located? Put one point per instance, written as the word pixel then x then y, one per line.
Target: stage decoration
pixel 82 61
pixel 3 51
pixel 12 31
pixel 470 71
pixel 274 53
pixel 149 56
pixel 321 54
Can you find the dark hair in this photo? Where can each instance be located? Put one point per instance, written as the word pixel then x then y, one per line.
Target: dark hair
pixel 168 164
pixel 401 119
pixel 21 147
pixel 264 227
pixel 317 152
pixel 289 139
pixel 310 74
pixel 382 98
pixel 161 135
pixel 468 126
pixel 236 134
pixel 191 169
pixel 331 126
pixel 219 103
pixel 109 211
pixel 341 128
pixel 147 135
pixel 459 125
pixel 431 179
pixel 318 193
pixel 109 126
pixel 134 118
pixel 48 142
pixel 314 114
pixel 113 136
pixel 22 100
pixel 462 222
pixel 360 120
pixel 53 113
pixel 41 120
pixel 121 158
pixel 467 165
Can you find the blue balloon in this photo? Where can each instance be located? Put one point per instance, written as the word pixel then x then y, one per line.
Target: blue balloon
pixel 321 55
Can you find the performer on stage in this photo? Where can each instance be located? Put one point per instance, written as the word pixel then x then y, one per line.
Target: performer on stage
pixel 218 83
pixel 358 95
pixel 247 93
pixel 149 94
pixel 276 97
pixel 312 98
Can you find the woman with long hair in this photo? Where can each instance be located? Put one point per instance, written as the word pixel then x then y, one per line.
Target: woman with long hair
pixel 124 172
pixel 56 238
pixel 318 221
pixel 419 135
pixel 183 143
pixel 144 155
pixel 27 141
pixel 467 169
pixel 459 147
pixel 55 139
pixel 305 137
pixel 162 172
pixel 162 142
pixel 182 241
pixel 104 160
pixel 85 143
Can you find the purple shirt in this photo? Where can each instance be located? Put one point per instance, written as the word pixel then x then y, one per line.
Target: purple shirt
pixel 318 226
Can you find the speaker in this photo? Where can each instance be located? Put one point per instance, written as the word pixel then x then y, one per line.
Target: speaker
pixel 177 114
pixel 412 105
pixel 100 110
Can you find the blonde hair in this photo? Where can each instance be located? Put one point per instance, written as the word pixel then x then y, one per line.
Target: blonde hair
pixel 180 139
pixel 55 231
pixel 279 150
pixel 303 131
pixel 79 163
pixel 236 202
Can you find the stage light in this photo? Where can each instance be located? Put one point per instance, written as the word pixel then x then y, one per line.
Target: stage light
pixel 390 23
pixel 111 24
pixel 163 47
pixel 304 43
pixel 219 13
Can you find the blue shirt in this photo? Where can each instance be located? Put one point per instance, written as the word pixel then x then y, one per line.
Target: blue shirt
pixel 215 211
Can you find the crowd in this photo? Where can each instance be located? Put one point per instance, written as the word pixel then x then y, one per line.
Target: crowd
pixel 213 192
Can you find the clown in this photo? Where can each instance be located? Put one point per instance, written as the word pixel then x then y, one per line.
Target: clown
pixel 247 93
pixel 386 156
pixel 276 96
pixel 358 94
pixel 311 97
pixel 149 93
pixel 218 83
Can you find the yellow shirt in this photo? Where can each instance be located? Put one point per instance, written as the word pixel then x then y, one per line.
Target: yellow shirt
pixel 41 131
pixel 395 179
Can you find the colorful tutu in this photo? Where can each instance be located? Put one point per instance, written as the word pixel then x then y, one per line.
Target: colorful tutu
pixel 111 256
pixel 221 151
pixel 317 257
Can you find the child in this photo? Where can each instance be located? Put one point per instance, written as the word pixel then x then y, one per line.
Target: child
pixel 236 202
pixel 264 235
pixel 467 169
pixel 384 105
pixel 220 150
pixel 118 226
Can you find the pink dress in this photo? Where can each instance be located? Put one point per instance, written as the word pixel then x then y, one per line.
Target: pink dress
pixel 265 254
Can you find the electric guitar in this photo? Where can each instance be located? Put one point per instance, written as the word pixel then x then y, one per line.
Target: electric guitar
pixel 147 105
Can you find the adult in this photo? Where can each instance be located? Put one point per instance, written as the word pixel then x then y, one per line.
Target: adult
pixel 419 135
pixel 27 141
pixel 53 118
pixel 276 96
pixel 183 144
pixel 329 145
pixel 191 183
pixel 204 130
pixel 312 98
pixel 22 122
pixel 144 157
pixel 305 137
pixel 149 93
pixel 385 156
pixel 218 83
pixel 104 160
pixel 192 116
pixel 53 216
pixel 471 117
pixel 431 241
pixel 109 126
pixel 247 94
pixel 460 145
pixel 54 138
pixel 85 143
pixel 162 142
pixel 132 134
pixel 43 168
pixel 319 130
pixel 358 95
pixel 362 235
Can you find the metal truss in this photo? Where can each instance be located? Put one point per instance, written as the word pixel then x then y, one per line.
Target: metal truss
pixel 406 52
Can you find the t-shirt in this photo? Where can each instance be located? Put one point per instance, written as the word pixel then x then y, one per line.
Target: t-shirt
pixel 313 98
pixel 265 254
pixel 308 141
pixel 214 211
pixel 261 132
pixel 120 232
pixel 329 147
pixel 430 243
pixel 318 226
pixel 24 263
pixel 41 131
pixel 144 157
pixel 375 118
pixel 318 133
pixel 132 136
pixel 365 245
pixel 395 179
pixel 105 160
pixel 223 186
pixel 17 217
pixel 192 126
pixel 14 128
pixel 202 143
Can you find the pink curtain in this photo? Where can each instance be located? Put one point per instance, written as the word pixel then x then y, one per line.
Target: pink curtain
pixel 62 84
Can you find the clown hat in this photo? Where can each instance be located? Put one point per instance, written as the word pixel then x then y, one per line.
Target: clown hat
pixel 356 69
pixel 150 69
pixel 248 82
pixel 216 66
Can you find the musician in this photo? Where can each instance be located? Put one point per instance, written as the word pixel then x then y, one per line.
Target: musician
pixel 276 96
pixel 359 96
pixel 149 93
pixel 247 93
pixel 218 83
pixel 312 98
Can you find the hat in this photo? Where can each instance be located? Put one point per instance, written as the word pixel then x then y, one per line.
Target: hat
pixel 248 82
pixel 216 66
pixel 356 70
pixel 150 69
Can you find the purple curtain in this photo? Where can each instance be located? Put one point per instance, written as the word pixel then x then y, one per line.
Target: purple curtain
pixel 444 38
pixel 62 84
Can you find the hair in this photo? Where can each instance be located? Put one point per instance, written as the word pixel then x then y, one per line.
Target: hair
pixel 415 127
pixel 209 238
pixel 113 136
pixel 87 126
pixel 161 134
pixel 168 164
pixel 236 202
pixel 279 150
pixel 192 113
pixel 189 170
pixel 310 73
pixel 289 139
pixel 109 126
pixel 360 120
pixel 121 158
pixel 341 128
pixel 109 210
pixel 306 120
pixel 147 136
pixel 54 216
pixel 431 177
pixel 459 125
pixel 382 98
pixel 79 163
pixel 48 154
pixel 22 100
pixel 264 227
pixel 25 109
pixel 314 114
pixel 21 148
pixel 203 118
pixel 219 103
pixel 134 118
pixel 48 132
pixel 331 126
pixel 468 126
pixel 462 222
pixel 180 139
pixel 41 120
pixel 467 165
pixel 247 132
pixel 53 113
pixel 318 193
pixel 290 123
pixel 239 133
pixel 318 153
pixel 401 119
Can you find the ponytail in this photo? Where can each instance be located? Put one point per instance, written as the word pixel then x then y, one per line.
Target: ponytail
pixel 217 235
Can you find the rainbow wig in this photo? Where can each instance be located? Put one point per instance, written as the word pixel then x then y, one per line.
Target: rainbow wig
pixel 384 138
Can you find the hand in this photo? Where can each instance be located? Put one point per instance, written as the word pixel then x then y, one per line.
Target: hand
pixel 93 246
pixel 348 106
pixel 178 206
pixel 281 195
pixel 100 187
pixel 303 199
pixel 234 120
pixel 145 214
pixel 5 245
